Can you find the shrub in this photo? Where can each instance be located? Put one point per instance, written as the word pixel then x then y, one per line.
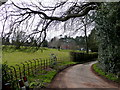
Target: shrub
pixel 82 57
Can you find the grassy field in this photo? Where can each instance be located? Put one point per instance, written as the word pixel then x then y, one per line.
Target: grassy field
pixel 13 56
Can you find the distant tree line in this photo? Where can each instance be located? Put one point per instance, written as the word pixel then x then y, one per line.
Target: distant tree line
pixel 76 43
pixel 20 39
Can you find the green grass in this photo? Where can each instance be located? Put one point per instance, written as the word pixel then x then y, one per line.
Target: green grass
pixel 42 81
pixel 109 76
pixel 38 81
pixel 13 56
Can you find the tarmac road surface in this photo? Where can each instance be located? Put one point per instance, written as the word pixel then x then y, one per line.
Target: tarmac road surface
pixel 80 76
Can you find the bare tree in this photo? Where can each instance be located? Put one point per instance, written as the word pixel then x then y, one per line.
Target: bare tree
pixel 36 18
pixel 82 24
pixel 86 22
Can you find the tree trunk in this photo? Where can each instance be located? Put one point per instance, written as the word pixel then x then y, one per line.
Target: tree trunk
pixel 86 38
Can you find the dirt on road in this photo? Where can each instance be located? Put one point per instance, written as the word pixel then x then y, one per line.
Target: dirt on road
pixel 80 76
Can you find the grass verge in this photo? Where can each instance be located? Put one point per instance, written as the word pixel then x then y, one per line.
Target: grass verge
pixel 110 76
pixel 43 80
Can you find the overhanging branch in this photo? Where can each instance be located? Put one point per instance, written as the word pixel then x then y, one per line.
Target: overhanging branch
pixel 88 7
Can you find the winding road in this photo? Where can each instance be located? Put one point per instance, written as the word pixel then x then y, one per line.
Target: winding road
pixel 80 76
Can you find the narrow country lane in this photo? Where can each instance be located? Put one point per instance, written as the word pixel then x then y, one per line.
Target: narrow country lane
pixel 80 76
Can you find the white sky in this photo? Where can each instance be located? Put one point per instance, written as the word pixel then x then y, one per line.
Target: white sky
pixel 55 32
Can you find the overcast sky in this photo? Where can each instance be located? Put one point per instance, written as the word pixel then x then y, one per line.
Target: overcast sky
pixel 59 29
pixel 53 31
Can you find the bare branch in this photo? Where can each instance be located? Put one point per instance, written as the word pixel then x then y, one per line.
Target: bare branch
pixel 65 18
pixel 37 17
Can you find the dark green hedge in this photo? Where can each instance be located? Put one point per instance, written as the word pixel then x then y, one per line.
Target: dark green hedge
pixel 82 57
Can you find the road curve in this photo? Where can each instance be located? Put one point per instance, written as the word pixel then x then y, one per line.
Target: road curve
pixel 79 76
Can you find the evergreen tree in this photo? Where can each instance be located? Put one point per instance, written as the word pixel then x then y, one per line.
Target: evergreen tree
pixel 108 29
pixel 92 41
